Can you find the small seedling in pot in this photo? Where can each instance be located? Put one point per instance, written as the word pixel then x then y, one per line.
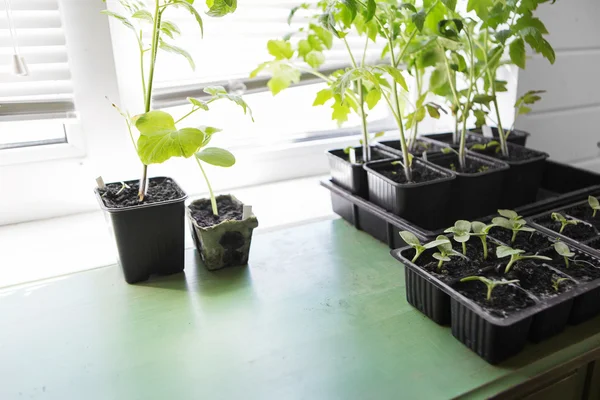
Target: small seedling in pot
pixel 414 242
pixel 516 255
pixel 445 251
pixel 595 204
pixel 512 221
pixel 564 251
pixel 564 222
pixel 462 233
pixel 556 283
pixel 481 230
pixel 491 284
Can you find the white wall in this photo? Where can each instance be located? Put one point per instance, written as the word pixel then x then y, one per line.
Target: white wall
pixel 566 123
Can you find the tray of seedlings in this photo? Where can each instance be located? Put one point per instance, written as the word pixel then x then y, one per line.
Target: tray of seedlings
pixel 500 284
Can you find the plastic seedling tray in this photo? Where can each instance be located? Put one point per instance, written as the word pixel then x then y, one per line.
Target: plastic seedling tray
pixel 496 338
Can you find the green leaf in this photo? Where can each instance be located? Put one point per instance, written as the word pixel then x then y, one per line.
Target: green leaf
pixel 294 10
pixel 517 53
pixel 159 139
pixel 450 28
pixel 410 238
pixel 304 48
pixel 563 250
pixel 177 50
pixel 450 4
pixel 372 98
pixel 144 15
pixel 190 8
pixel 433 111
pixel 219 8
pixel 437 79
pixel 483 99
pixel 502 222
pixel 169 29
pixel 419 19
pixel 395 74
pixel 445 243
pixel 351 6
pixel 505 251
pixel 323 34
pixel 323 96
pixel 481 7
pixel 340 110
pixel 120 18
pixel 503 35
pixel 280 49
pixel 315 59
pixel 462 225
pixel 438 242
pixel 593 202
pixel 371 9
pixel 198 103
pixel 441 257
pixel 529 21
pixel 478 227
pixel 510 214
pixel 219 92
pixel 480 116
pixel 216 156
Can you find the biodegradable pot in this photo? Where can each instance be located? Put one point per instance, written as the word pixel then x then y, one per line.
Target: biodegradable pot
pixel 474 195
pixel 150 237
pixel 352 176
pixel 422 203
pixel 516 136
pixel 226 244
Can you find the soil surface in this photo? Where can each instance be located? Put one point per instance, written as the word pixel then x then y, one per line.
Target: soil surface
pixel 579 232
pixel 594 244
pixel 228 210
pixel 420 147
pixel 505 299
pixel 516 153
pixel 537 279
pixel 531 242
pixel 376 155
pixel 159 189
pixel 420 173
pixel 583 268
pixel 584 212
pixel 450 161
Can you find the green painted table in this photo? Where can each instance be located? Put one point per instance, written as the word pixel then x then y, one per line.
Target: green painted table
pixel 319 314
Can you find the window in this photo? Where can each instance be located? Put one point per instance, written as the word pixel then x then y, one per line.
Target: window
pixel 36 92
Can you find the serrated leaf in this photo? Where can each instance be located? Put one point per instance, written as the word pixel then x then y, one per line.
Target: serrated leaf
pixel 395 74
pixel 169 29
pixel 198 103
pixel 190 8
pixel 529 21
pixel 340 111
pixel 178 50
pixel 220 8
pixel 481 7
pixel 315 59
pixel 517 53
pixel 280 49
pixel 219 93
pixel 372 98
pixel 144 15
pixel 483 99
pixel 294 10
pixel 217 157
pixel 322 97
pixel 503 35
pixel 419 19
pixel 325 36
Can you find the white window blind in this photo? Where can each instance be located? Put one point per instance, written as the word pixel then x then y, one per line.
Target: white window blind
pixel 33 29
pixel 235 45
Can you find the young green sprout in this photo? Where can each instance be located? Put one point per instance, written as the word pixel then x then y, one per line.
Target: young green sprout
pixel 491 284
pixel 462 233
pixel 563 221
pixel 445 251
pixel 481 230
pixel 516 255
pixel 512 221
pixel 556 283
pixel 563 250
pixel 415 243
pixel 595 204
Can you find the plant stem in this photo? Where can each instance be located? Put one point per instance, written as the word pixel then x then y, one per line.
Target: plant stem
pixel 512 261
pixel 439 266
pixel 413 141
pixel 465 114
pixel 562 228
pixel 489 292
pixel 485 247
pixel 594 213
pixel 464 248
pixel 417 255
pixel 492 82
pixel 567 262
pixel 363 116
pixel 514 236
pixel 142 69
pixel 213 200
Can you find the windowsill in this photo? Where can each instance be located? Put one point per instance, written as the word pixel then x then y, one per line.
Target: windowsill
pixel 59 246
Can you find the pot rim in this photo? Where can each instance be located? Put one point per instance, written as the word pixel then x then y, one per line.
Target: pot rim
pixel 446 175
pixel 188 212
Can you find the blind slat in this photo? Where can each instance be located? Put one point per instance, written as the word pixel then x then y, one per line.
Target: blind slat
pixel 47 91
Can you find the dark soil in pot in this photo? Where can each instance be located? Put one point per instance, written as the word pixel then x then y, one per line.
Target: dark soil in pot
pixel 584 212
pixel 516 153
pixel 528 241
pixel 358 153
pixel 420 147
pixel 579 232
pixel 536 278
pixel 116 195
pixel 594 244
pixel 583 268
pixel 473 166
pixel 420 173
pixel 505 299
pixel 228 210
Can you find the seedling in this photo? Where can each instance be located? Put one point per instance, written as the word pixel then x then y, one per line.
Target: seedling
pixel 595 204
pixel 445 251
pixel 556 283
pixel 516 255
pixel 564 222
pixel 481 230
pixel 491 284
pixel 564 251
pixel 461 231
pixel 414 242
pixel 512 221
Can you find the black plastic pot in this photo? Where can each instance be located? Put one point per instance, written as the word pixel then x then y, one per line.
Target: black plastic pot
pixel 352 176
pixel 393 147
pixel 422 203
pixel 473 194
pixel 226 244
pixel 516 136
pixel 150 237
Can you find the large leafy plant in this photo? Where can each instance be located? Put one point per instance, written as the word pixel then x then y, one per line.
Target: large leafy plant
pixel 160 138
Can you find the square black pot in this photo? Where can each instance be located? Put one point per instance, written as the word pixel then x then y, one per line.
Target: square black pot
pixel 516 136
pixel 352 176
pixel 421 203
pixel 150 237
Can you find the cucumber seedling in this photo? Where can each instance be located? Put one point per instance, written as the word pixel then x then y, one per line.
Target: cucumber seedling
pixel 516 255
pixel 461 231
pixel 595 204
pixel 556 283
pixel 512 221
pixel 491 284
pixel 415 243
pixel 481 230
pixel 564 222
pixel 445 251
pixel 564 251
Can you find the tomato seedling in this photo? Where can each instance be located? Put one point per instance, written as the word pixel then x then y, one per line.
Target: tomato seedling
pixel 516 255
pixel 491 284
pixel 415 243
pixel 556 283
